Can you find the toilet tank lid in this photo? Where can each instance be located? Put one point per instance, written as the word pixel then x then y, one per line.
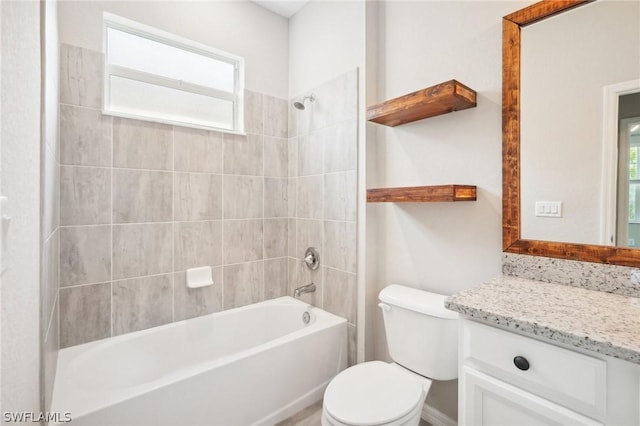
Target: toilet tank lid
pixel 416 300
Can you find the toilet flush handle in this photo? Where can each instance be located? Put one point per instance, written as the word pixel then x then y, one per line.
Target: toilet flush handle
pixel 384 307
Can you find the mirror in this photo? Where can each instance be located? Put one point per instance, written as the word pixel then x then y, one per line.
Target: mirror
pixel 533 160
pixel 567 62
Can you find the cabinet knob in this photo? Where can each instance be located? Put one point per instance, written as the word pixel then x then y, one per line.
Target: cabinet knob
pixel 521 362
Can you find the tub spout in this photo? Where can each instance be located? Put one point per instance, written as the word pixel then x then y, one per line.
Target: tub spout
pixel 309 288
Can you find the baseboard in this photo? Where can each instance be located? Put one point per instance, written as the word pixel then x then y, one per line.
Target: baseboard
pixel 436 417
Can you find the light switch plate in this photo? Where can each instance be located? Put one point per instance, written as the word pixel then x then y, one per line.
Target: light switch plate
pixel 548 209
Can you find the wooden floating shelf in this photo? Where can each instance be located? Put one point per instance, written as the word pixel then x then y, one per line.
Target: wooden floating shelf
pixel 435 100
pixel 422 194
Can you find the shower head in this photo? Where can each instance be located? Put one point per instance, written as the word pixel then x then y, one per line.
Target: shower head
pixel 300 105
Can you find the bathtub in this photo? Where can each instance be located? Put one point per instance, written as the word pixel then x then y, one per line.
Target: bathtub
pixel 257 364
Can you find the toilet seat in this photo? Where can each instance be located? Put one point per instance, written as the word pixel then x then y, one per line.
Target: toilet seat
pixel 411 419
pixel 373 393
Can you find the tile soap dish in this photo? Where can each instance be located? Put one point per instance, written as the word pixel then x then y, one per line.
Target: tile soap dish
pixel 199 277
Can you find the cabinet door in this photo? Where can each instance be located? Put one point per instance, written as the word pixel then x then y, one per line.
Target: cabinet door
pixel 487 401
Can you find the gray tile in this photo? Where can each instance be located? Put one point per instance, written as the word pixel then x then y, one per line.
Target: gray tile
pixel 85 255
pixel 291 238
pixel 276 197
pixel 197 196
pixel 243 284
pixel 195 302
pixel 197 150
pixel 197 244
pixel 293 156
pixel 85 314
pixel 275 238
pixel 340 196
pixel 309 234
pixel 253 112
pixel 242 240
pixel 142 196
pixel 243 154
pixel 340 245
pixel 276 157
pixel 339 294
pixel 309 198
pixel 276 115
pixel 85 137
pixel 80 76
pixel 341 147
pixel 142 249
pixel 310 148
pixel 292 191
pixel 142 303
pixel 276 279
pixel 142 144
pixel 243 197
pixel 85 195
pixel 300 275
pixel 336 101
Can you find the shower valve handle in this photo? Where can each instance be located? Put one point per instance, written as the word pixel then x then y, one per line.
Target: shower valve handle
pixel 312 258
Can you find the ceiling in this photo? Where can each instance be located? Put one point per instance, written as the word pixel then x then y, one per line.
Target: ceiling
pixel 286 8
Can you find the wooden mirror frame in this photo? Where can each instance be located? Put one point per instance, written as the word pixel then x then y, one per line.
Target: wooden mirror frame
pixel 511 229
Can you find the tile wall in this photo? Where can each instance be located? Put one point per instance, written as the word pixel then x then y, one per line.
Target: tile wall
pixel 142 202
pixel 323 212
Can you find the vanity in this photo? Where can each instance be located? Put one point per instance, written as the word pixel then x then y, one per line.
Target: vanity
pixel 534 349
pixel 536 353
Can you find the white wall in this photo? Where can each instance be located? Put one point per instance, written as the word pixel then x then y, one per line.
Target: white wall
pixel 440 247
pixel 562 113
pixel 326 38
pixel 239 27
pixel 20 182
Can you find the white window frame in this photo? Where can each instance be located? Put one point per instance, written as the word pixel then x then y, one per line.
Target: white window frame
pixel 123 24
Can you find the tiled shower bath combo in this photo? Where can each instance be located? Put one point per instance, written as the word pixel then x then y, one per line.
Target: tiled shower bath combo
pixel 142 202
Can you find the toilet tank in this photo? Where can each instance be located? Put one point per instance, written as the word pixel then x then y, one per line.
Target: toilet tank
pixel 422 335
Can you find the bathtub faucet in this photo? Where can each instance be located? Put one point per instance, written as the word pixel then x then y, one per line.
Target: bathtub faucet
pixel 309 288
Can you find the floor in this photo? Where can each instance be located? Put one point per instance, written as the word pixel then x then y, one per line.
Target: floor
pixel 310 416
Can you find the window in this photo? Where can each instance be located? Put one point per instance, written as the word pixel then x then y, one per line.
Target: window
pixel 153 75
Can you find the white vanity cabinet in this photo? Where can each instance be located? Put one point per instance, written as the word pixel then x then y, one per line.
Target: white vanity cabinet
pixel 512 379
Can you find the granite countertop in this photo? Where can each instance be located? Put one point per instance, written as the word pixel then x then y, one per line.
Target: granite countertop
pixel 592 320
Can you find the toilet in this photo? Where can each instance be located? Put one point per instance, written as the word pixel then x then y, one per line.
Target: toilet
pixel 422 338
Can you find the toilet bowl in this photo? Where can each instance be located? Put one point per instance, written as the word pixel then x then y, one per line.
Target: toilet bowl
pixel 422 342
pixel 375 393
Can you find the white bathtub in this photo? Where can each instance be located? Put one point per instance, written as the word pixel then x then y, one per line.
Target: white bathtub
pixel 257 364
